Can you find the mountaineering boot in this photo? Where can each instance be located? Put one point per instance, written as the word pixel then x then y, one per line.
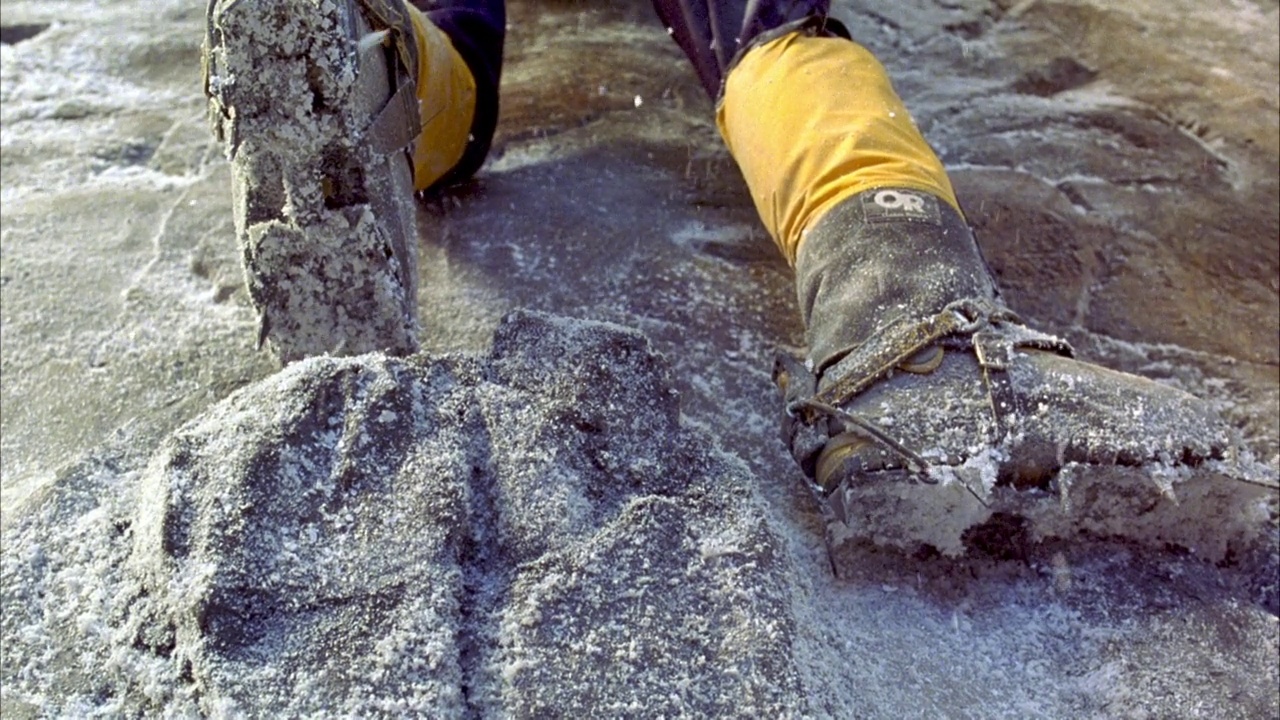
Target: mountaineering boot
pixel 926 407
pixel 905 329
pixel 332 113
pixel 920 374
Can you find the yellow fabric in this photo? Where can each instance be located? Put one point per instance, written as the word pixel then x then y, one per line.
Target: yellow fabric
pixel 814 120
pixel 446 102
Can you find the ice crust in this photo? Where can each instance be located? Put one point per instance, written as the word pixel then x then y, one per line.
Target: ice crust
pixel 527 533
pixel 532 532
pixel 1101 210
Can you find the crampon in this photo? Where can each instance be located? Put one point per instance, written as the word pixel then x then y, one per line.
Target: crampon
pixel 943 426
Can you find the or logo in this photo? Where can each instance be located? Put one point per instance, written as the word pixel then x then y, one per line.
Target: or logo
pixel 891 205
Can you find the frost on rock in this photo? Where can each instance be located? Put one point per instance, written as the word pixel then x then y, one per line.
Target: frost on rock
pixel 528 532
pixel 329 248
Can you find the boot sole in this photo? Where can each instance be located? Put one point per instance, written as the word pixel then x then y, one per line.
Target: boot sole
pixel 1213 510
pixel 1077 450
pixel 324 222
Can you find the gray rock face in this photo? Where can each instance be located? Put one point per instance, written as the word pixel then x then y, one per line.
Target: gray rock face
pixel 1136 215
pixel 530 532
pixel 540 532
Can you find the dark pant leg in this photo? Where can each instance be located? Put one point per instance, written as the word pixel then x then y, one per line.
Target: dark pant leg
pixel 714 33
pixel 477 29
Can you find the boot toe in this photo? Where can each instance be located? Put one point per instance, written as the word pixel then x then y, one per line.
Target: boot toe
pixel 1041 412
pixel 1102 416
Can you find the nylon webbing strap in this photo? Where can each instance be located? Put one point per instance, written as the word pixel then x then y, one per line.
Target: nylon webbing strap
pixel 888 349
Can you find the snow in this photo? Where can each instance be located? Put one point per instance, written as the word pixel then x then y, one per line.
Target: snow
pixel 632 578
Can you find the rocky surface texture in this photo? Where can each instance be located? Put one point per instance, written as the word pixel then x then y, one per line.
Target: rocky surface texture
pixel 529 533
pixel 1117 159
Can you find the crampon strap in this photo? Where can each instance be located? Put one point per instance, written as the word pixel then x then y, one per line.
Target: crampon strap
pixel 994 332
pixel 895 345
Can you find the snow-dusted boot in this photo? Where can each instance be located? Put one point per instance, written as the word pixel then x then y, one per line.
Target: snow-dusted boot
pixel 315 102
pixel 926 405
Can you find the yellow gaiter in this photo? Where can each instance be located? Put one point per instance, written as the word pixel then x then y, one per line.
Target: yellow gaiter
pixel 446 103
pixel 814 120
